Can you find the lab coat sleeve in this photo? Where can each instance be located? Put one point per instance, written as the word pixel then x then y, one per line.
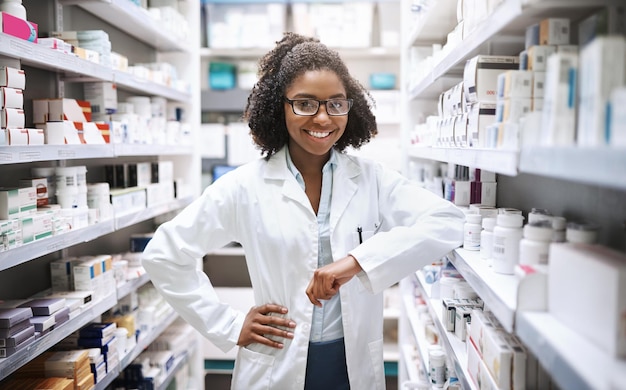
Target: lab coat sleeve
pixel 172 256
pixel 417 228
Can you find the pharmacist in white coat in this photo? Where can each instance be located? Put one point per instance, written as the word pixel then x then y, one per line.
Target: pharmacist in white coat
pixel 324 233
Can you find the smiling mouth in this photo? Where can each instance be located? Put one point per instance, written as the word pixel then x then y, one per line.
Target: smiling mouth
pixel 318 134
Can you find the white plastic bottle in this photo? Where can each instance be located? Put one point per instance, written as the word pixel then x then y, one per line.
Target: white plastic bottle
pixel 13 7
pixel 535 246
pixel 471 232
pixel 558 229
pixel 486 239
pixel 581 232
pixel 506 237
pixel 437 365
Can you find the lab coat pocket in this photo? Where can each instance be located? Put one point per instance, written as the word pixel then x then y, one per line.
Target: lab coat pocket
pixel 364 233
pixel 376 353
pixel 253 370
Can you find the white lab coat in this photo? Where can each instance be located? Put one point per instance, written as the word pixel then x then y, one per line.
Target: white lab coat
pixel 261 206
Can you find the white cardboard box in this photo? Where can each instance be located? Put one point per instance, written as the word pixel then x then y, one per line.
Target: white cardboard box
pixel 11 97
pixel 12 77
pixel 587 293
pixel 480 76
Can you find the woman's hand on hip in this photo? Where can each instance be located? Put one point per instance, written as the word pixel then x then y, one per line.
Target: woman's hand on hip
pixel 327 279
pixel 265 321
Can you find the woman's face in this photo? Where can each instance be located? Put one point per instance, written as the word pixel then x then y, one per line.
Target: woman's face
pixel 315 135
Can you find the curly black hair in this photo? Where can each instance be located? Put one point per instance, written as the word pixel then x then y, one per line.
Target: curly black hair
pixel 294 55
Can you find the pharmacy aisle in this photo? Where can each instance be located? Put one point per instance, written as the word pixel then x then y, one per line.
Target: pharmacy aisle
pixel 97 149
pixel 513 110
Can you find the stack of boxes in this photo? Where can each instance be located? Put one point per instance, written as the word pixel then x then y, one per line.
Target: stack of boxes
pixel 549 95
pixel 94 43
pixel 12 120
pixel 465 186
pixel 101 336
pixel 16 331
pixel 480 85
pixel 496 359
pixel 48 313
pixel 70 364
pixel 136 186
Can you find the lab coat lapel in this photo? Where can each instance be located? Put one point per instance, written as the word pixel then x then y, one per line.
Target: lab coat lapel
pixel 277 170
pixel 344 186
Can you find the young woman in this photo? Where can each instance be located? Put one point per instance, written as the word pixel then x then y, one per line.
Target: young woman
pixel 324 233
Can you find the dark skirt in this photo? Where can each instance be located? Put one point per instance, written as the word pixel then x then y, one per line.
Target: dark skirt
pixel 326 366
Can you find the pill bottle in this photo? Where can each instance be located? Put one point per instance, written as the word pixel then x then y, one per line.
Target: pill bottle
pixel 13 7
pixel 509 210
pixel 535 244
pixel 506 237
pixel 581 232
pixel 437 367
pixel 486 238
pixel 471 232
pixel 463 290
pixel 537 215
pixel 558 229
pixel 446 286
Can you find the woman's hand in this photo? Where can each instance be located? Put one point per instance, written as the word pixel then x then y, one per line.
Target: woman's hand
pixel 327 279
pixel 262 322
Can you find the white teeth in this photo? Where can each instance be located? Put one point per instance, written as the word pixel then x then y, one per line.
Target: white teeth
pixel 318 134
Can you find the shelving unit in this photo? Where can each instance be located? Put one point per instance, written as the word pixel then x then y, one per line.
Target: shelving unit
pixel 569 181
pixel 135 33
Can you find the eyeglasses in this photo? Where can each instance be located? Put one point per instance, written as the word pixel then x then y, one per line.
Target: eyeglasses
pixel 310 107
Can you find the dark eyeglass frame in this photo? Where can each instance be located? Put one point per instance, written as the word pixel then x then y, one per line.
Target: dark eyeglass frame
pixel 320 102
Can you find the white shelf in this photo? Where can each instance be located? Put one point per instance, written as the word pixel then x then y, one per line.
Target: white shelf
pixel 26 154
pixel 42 57
pixel 600 166
pixel 20 358
pixel 31 153
pixel 449 341
pixel 52 244
pixel 149 213
pixel 495 160
pixel 131 285
pixel 498 291
pixel 79 70
pixel 146 339
pixel 133 20
pixel 416 325
pixel 504 29
pixel 151 150
pixel 132 83
pixel 435 24
pixel 572 360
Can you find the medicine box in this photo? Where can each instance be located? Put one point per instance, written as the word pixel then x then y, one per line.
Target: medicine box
pixel 11 97
pixel 480 76
pixel 19 27
pixel 602 68
pixel 554 31
pixel 515 84
pixel 12 77
pixel 480 116
pixel 587 293
pixel 506 364
pixel 477 370
pixel 12 118
pixel 538 57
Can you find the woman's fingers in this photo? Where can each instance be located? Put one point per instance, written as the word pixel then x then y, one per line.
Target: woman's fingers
pixel 263 322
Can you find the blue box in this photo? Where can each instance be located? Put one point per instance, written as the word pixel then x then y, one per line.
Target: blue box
pixel 222 75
